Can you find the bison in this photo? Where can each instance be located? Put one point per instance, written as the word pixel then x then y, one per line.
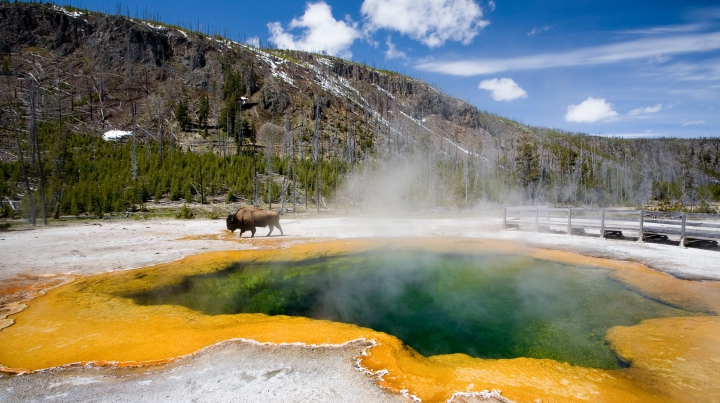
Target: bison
pixel 247 218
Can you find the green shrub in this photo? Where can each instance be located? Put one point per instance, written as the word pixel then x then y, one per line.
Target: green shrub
pixel 215 213
pixel 5 210
pixel 185 213
pixel 705 208
pixel 670 207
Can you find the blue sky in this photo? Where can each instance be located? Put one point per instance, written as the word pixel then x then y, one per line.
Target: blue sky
pixel 617 68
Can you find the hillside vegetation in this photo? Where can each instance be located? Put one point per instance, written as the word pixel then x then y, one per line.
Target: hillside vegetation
pixel 211 120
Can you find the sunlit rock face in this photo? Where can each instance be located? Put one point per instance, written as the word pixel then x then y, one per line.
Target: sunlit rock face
pixel 103 318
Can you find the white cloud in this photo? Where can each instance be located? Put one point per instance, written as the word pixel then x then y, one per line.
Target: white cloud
pixel 706 94
pixel 653 109
pixel 646 48
pixel 668 29
pixel 491 5
pixel 503 89
pixel 649 109
pixel 426 59
pixel 590 110
pixel 536 31
pixel 705 13
pixel 322 32
pixel 392 52
pixel 432 22
pixel 701 70
pixel 659 59
pixel 694 123
pixel 254 42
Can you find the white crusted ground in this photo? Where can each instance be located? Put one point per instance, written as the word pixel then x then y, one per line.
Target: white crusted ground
pixel 234 371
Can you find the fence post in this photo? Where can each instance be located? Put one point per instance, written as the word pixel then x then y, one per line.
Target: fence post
pixel 602 223
pixel 642 226
pixel 682 231
pixel 504 218
pixel 537 219
pixel 569 230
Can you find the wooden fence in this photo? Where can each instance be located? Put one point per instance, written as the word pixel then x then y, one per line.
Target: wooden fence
pixel 687 228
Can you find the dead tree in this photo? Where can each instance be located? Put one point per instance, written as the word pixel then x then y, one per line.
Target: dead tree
pixel 316 153
pixel 38 159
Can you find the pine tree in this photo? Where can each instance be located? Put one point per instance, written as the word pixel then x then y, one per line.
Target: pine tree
pixel 181 112
pixel 203 112
pixel 527 168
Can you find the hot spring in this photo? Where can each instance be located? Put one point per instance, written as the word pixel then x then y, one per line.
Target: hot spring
pixel 486 306
pixel 436 317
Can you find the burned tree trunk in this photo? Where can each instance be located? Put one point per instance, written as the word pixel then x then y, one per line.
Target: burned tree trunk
pixel 38 157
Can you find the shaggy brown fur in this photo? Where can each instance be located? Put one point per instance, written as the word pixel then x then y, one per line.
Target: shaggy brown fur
pixel 247 218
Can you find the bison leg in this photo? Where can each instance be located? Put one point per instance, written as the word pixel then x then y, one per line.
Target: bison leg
pixel 271 230
pixel 240 234
pixel 253 232
pixel 280 228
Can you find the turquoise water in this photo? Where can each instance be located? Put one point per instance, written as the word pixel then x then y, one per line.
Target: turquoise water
pixel 489 306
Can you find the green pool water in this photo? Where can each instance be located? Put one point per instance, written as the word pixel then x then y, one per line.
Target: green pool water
pixel 489 306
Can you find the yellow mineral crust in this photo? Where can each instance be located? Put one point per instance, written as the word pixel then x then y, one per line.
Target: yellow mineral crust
pixel 674 359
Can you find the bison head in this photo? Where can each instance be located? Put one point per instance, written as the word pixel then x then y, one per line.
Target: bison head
pixel 232 222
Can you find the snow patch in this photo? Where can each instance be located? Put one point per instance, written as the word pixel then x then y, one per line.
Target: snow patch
pixel 73 14
pixel 276 71
pixel 228 43
pixel 325 61
pixel 384 91
pixel 338 86
pixel 115 134
pixel 417 122
pixel 155 27
pixel 458 147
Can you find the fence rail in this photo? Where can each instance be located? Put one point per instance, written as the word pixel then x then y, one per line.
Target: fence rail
pixel 688 228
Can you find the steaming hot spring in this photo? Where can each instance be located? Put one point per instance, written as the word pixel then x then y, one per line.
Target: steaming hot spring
pixel 432 319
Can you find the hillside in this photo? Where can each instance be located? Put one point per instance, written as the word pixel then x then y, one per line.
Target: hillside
pixel 268 126
pixel 104 65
